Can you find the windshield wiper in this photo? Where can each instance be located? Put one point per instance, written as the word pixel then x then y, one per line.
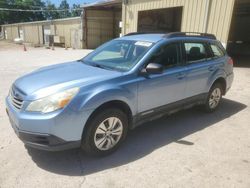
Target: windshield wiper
pixel 95 65
pixel 99 66
pixel 80 60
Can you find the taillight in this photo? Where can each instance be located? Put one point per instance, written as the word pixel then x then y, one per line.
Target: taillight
pixel 230 61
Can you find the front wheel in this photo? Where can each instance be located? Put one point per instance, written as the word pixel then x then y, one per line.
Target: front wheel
pixel 105 132
pixel 213 98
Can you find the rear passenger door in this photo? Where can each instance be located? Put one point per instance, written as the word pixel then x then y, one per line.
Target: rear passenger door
pixel 200 67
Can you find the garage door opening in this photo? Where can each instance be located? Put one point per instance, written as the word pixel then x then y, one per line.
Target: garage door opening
pixel 101 22
pixel 239 35
pixel 160 20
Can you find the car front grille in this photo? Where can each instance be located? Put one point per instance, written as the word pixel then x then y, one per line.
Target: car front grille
pixel 16 101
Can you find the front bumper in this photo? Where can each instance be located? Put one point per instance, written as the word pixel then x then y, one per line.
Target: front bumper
pixel 43 141
pixel 55 131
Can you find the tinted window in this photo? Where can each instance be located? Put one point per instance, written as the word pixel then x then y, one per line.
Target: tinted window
pixel 195 51
pixel 167 55
pixel 217 52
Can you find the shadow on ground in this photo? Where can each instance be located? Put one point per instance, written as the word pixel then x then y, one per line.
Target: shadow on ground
pixel 139 143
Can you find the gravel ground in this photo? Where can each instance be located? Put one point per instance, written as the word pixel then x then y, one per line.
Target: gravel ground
pixel 187 149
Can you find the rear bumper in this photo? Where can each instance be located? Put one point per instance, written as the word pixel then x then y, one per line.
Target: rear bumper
pixel 229 81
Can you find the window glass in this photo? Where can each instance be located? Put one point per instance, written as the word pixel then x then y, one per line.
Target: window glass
pixel 167 56
pixel 217 52
pixel 119 55
pixel 195 51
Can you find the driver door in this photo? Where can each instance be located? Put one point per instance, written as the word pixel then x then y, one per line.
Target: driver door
pixel 156 91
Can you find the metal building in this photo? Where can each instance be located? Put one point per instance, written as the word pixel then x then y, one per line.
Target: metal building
pixel 101 22
pixel 66 32
pixel 229 20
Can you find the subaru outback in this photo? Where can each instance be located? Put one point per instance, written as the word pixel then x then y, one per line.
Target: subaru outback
pixel 93 102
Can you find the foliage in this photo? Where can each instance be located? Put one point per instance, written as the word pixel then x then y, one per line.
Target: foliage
pixel 64 6
pixel 49 15
pixel 77 12
pixel 15 16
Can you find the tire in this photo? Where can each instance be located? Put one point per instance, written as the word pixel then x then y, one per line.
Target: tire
pixel 105 132
pixel 214 97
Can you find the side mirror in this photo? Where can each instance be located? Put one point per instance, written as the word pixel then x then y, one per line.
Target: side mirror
pixel 154 68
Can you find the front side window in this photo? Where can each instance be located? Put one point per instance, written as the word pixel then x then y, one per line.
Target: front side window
pixel 119 55
pixel 195 51
pixel 168 56
pixel 217 52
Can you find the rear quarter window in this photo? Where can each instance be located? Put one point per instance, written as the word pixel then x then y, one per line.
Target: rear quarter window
pixel 217 52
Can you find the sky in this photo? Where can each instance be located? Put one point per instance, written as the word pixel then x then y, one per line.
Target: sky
pixel 71 2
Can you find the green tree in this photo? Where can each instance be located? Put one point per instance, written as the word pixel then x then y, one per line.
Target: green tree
pixel 16 16
pixel 8 17
pixel 4 14
pixel 64 6
pixel 49 15
pixel 77 12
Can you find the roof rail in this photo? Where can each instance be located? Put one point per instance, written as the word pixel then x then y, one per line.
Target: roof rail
pixel 139 33
pixel 190 34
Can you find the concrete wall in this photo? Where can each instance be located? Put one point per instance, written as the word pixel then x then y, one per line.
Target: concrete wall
pixel 193 16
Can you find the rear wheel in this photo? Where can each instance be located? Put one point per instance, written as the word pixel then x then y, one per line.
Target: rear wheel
pixel 213 98
pixel 105 132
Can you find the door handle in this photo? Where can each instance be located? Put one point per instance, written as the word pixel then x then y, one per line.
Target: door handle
pixel 180 75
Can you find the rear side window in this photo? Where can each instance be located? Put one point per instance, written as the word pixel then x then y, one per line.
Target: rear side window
pixel 217 52
pixel 195 51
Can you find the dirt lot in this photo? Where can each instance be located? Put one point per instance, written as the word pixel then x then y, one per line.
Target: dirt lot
pixel 188 149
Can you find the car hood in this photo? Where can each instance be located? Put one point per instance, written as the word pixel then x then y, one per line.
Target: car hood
pixel 62 75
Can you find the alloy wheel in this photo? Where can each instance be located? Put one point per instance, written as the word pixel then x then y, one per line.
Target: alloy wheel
pixel 108 133
pixel 214 98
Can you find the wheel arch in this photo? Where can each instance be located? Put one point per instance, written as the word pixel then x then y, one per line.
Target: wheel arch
pixel 222 81
pixel 123 106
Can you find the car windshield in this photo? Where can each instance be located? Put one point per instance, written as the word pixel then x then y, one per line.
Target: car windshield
pixel 120 55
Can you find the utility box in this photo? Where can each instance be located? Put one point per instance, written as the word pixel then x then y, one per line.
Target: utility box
pixel 59 40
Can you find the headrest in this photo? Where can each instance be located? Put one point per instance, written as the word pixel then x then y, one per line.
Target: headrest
pixel 194 51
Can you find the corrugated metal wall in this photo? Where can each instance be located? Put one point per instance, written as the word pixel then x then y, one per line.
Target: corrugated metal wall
pixel 118 19
pixel 12 32
pixel 65 29
pixel 220 18
pixel 33 31
pixel 193 16
pixel 102 26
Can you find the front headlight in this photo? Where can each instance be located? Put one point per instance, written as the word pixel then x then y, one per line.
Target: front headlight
pixel 52 102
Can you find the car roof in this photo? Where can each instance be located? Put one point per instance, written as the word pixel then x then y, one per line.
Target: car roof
pixel 156 37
